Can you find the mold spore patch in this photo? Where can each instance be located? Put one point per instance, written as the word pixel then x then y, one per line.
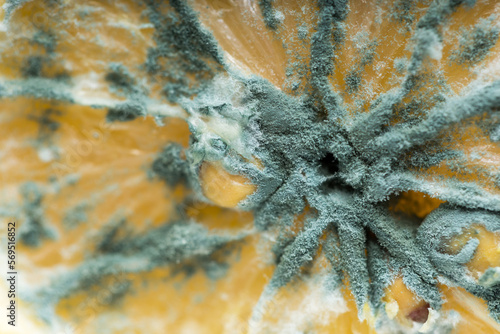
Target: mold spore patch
pixel 476 42
pixel 34 228
pixel 307 155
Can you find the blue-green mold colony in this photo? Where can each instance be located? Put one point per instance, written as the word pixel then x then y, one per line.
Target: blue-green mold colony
pixel 340 174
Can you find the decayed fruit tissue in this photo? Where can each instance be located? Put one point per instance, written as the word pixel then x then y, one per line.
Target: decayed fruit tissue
pixel 250 166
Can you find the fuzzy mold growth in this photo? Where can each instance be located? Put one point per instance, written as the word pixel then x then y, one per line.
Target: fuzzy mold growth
pixel 374 154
